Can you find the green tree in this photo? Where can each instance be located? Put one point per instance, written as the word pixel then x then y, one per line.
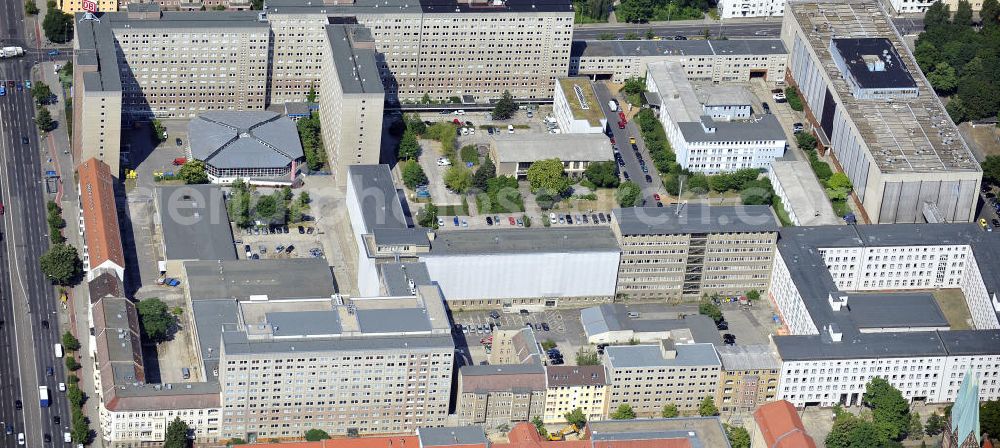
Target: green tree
pixel 587 357
pixel 310 134
pixel 631 35
pixel 624 412
pixel 155 318
pixel 576 418
pixel 81 427
pixel 935 424
pixel 311 96
pixel 30 8
pixel 61 264
pixel 634 86
pixel 75 396
pixel 58 26
pixel 852 432
pixel 315 435
pixel 943 78
pixel 44 120
pixel 193 172
pixel 41 92
pixel 635 11
pixel 409 147
pixel 890 411
pixel 707 308
pixel 414 124
pixel 758 192
pixel 71 363
pixel 707 407
pixel 177 434
pixel 602 174
pixel 413 174
pixel 483 174
pixel 504 107
pixel 963 14
pixel 304 198
pixel 927 55
pixel 738 436
pixel 937 15
pixel 806 141
pixel 266 209
pixel 838 186
pixel 629 194
pixel 70 342
pixel 426 99
pixel 989 417
pixel 547 175
pixel 458 179
pixel 753 295
pixel 159 131
pixel 990 13
pixel 916 429
pixel 669 411
pixel 540 426
pixel 428 216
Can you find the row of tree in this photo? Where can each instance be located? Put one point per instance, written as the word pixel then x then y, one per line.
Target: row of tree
pixel 310 134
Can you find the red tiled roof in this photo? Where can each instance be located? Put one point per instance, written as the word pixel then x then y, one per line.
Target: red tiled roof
pixel 362 442
pixel 100 217
pixel 781 426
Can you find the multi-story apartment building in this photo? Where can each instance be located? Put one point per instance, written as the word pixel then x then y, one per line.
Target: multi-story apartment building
pixel 688 250
pixel 75 6
pixel 442 48
pixel 99 220
pixel 290 356
pixel 749 378
pixel 874 111
pixel 733 9
pixel 514 346
pixel 494 395
pixel 576 108
pixel 353 98
pixel 647 377
pixel 841 294
pixel 711 129
pixel 716 61
pixel 97 97
pixel 575 387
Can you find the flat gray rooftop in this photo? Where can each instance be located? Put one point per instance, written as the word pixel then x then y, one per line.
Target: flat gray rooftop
pixel 278 279
pixel 238 344
pixel 610 317
pixel 380 207
pixel 393 320
pixel 748 357
pixel 396 277
pixel 650 355
pixel 565 147
pixel 194 223
pixel 454 435
pixel 244 139
pixel 416 7
pixel 708 431
pixel 355 64
pixel 653 48
pixel 694 218
pixel 895 310
pixel 506 241
pixel 806 197
pixel 762 127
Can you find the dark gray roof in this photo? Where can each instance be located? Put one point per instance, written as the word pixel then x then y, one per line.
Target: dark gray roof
pixel 505 241
pixel 412 236
pixel 297 108
pixel 355 64
pixel 187 19
pixel 502 369
pixel 614 317
pixel 396 277
pixel 897 310
pixel 194 223
pixel 211 317
pixel 244 139
pixel 96 46
pixel 608 48
pixel 799 248
pixel 454 435
pixel 971 342
pixel 416 7
pixel 701 432
pixel 765 127
pixel 695 218
pixel 393 320
pixel 854 52
pixel 304 323
pixel 294 278
pixel 377 197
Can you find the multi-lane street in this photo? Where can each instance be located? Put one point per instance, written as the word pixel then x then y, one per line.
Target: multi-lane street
pixel 27 301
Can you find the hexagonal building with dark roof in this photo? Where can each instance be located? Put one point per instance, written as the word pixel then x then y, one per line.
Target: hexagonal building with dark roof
pixel 252 145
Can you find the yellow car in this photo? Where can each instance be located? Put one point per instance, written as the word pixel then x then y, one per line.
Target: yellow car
pixel 631 140
pixel 982 223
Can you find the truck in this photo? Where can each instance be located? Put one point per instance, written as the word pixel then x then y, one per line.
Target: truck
pixel 10 52
pixel 613 105
pixel 43 396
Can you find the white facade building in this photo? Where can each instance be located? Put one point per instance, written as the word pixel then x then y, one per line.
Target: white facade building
pixel 576 107
pixel 841 294
pixel 733 9
pixel 706 143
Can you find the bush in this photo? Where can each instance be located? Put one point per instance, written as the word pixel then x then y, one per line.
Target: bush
pixel 587 357
pixel 794 100
pixel 548 344
pixel 458 179
pixel 806 141
pixel 470 154
pixel 707 308
pixel 30 8
pixel 413 174
pixel 70 342
pixel 501 196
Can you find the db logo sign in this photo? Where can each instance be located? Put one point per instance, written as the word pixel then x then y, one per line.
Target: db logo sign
pixel 89 6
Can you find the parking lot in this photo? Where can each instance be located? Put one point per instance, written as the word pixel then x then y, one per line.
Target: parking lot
pixel 751 325
pixel 278 242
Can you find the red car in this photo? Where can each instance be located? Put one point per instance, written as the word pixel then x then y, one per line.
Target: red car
pixel 656 196
pixel 457 122
pixel 621 124
pixel 621 116
pixel 511 220
pixel 612 140
pixel 1 209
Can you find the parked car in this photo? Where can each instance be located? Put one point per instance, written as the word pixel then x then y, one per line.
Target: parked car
pixel 511 221
pixel 289 249
pixel 302 230
pixel 465 223
pixel 649 179
pixel 722 325
pixel 495 314
pixel 443 161
pixel 510 129
pixel 656 196
pixel 569 219
pixel 767 109
pixel 545 326
pixel 489 221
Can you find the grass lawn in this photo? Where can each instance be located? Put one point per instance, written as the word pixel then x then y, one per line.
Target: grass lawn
pixel 952 304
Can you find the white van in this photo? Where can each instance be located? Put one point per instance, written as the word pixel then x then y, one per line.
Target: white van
pixel 59 350
pixel 67 438
pixel 510 129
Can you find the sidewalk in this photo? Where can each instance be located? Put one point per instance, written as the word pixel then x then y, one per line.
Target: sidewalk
pixel 75 318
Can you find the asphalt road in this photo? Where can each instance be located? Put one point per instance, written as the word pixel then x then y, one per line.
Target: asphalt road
pixel 760 28
pixel 621 136
pixel 27 298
